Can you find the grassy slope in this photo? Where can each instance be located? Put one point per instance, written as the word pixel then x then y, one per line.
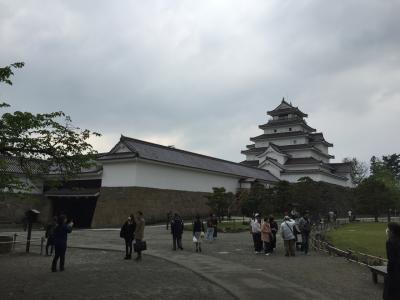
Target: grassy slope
pixel 367 238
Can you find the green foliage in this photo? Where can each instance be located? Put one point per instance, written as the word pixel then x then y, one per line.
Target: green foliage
pixel 379 192
pixel 258 199
pixel 220 201
pixel 40 143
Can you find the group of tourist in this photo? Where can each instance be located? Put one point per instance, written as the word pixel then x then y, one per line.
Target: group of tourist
pixel 263 233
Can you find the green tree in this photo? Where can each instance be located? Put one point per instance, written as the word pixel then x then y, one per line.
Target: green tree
pixel 392 162
pixel 40 143
pixel 219 201
pixel 378 193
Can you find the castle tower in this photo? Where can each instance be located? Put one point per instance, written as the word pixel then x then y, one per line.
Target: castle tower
pixel 290 149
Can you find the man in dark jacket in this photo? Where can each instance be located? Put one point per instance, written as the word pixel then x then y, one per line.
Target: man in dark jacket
pixel 176 231
pixel 392 279
pixel 60 241
pixel 128 234
pixel 305 230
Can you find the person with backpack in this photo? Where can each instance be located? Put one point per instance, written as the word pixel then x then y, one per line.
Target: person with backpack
pixel 177 231
pixel 128 234
pixel 50 236
pixel 391 289
pixel 305 230
pixel 287 232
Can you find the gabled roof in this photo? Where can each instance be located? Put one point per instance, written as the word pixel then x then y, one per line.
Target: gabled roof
pixel 342 167
pixel 158 153
pixel 286 108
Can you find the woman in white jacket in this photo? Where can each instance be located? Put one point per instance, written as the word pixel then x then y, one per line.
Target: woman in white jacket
pixel 288 237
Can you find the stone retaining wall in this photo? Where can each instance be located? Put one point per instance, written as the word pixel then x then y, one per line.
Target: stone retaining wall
pixel 116 203
pixel 13 207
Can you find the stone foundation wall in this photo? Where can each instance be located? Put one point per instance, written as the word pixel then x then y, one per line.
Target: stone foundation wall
pixel 14 206
pixel 116 203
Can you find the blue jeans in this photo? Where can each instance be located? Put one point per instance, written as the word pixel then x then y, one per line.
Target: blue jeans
pixel 210 234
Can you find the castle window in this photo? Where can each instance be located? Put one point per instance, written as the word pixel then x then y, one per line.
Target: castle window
pixel 290 129
pixel 275 130
pixel 294 141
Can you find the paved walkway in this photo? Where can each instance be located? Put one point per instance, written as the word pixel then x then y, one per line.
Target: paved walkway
pixel 230 264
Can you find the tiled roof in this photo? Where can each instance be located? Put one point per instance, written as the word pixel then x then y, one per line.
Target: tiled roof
pixel 278 135
pixel 250 163
pixel 159 153
pixel 16 165
pixel 318 138
pixel 302 161
pixel 284 122
pixel 286 108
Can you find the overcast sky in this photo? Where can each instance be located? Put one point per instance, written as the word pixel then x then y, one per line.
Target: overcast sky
pixel 201 75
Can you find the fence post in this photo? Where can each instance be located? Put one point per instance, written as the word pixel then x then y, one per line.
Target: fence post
pixel 41 245
pixel 14 241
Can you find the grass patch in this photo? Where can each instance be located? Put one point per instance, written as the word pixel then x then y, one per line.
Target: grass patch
pixel 229 226
pixel 369 238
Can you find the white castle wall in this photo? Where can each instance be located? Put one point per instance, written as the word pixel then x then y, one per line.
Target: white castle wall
pixel 162 176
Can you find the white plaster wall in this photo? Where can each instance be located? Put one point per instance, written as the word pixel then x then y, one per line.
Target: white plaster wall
pixel 153 175
pixel 119 173
pixel 284 128
pixel 289 141
pixel 301 167
pixel 35 187
pixel 176 178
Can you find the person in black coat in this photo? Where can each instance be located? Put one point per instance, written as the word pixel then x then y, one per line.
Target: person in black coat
pixel 392 279
pixel 274 231
pixel 128 234
pixel 60 241
pixel 176 231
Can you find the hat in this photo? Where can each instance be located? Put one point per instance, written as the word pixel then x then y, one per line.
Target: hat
pixel 286 218
pixel 257 215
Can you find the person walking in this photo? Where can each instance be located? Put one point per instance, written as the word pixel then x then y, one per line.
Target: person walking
pixel 305 230
pixel 256 233
pixel 391 289
pixel 198 230
pixel 139 235
pixel 50 236
pixel 210 228
pixel 288 236
pixel 274 230
pixel 215 225
pixel 266 236
pixel 128 234
pixel 177 231
pixel 60 241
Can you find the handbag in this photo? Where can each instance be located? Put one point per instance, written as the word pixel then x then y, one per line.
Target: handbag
pixel 140 246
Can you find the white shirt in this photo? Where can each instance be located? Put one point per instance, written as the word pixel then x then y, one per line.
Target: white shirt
pixel 255 226
pixel 287 229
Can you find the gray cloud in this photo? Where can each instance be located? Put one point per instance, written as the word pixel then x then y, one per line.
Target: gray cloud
pixel 201 75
